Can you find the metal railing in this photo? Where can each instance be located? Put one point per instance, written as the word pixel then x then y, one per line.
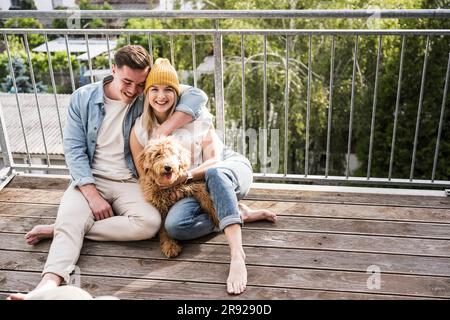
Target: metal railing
pixel 217 39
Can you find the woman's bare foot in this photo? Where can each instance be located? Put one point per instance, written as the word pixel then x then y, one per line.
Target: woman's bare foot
pixel 39 232
pixel 249 215
pixel 237 277
pixel 48 281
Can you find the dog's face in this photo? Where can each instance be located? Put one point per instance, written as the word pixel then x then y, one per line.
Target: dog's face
pixel 164 160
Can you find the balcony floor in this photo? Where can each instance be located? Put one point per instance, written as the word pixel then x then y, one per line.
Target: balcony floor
pixel 320 248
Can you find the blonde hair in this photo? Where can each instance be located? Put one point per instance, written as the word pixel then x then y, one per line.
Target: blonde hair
pixel 148 116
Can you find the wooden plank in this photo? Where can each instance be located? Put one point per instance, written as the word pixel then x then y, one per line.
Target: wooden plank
pixel 357 227
pixel 12 281
pixel 297 258
pixel 28 210
pixel 419 286
pixel 20 223
pixel 372 212
pixel 350 198
pixel 15 195
pixel 30 182
pixel 339 242
pixel 318 210
pixel 61 183
pixel 53 197
pixel 300 240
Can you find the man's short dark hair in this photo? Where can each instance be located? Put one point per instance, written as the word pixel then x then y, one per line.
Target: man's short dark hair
pixel 133 56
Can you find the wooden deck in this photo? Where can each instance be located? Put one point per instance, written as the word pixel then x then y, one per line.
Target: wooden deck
pixel 320 248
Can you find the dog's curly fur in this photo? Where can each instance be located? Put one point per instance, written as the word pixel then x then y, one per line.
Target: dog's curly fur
pixel 163 161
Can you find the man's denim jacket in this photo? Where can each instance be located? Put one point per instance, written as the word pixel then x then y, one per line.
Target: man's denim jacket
pixel 85 116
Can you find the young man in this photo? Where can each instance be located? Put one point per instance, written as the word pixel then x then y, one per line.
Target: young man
pixel 104 201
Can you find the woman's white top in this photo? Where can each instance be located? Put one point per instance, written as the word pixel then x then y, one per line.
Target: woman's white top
pixel 190 135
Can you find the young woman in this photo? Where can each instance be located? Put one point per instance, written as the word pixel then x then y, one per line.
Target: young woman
pixel 228 175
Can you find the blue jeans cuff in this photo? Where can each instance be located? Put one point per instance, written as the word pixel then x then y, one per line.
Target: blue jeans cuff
pixel 229 220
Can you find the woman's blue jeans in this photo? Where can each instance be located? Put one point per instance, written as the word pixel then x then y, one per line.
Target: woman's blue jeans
pixel 227 183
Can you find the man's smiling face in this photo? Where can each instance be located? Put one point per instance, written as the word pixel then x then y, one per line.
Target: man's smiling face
pixel 128 83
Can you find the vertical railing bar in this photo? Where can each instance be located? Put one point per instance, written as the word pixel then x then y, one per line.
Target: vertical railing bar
pixel 397 103
pixel 264 167
pixel 243 94
pixel 352 105
pixel 109 53
pixel 419 109
pixel 218 85
pixel 8 160
pixel 286 107
pixel 194 60
pixel 16 91
pixel 72 81
pixel 89 57
pixel 128 39
pixel 150 49
pixel 33 81
pixel 441 119
pixel 374 108
pixel 52 78
pixel 330 108
pixel 308 105
pixel 172 57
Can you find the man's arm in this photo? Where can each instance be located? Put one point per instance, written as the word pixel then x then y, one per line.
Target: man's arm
pixel 191 102
pixel 75 150
pixel 75 145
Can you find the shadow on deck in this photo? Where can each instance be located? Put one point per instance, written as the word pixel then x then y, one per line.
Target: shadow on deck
pixel 322 247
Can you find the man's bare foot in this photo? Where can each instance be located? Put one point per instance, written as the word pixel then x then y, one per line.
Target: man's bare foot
pixel 249 215
pixel 237 278
pixel 48 281
pixel 39 232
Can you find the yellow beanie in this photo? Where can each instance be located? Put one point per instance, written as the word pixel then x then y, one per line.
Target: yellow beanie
pixel 162 72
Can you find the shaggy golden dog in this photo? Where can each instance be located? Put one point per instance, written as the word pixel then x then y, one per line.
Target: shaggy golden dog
pixel 163 161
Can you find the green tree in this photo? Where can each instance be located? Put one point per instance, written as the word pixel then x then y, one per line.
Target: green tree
pixel 26 23
pixel 439 47
pixel 84 23
pixel 23 81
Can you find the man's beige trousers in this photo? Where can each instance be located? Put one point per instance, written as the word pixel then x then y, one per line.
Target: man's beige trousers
pixel 134 219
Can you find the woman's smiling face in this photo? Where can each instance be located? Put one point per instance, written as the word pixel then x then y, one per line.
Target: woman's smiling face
pixel 161 98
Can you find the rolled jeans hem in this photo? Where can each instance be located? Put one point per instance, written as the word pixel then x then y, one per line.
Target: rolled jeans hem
pixel 229 220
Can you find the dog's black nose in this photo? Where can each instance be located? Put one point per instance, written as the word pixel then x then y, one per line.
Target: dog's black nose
pixel 167 168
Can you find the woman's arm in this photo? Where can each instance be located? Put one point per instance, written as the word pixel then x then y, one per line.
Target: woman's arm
pixel 136 149
pixel 188 108
pixel 211 154
pixel 175 121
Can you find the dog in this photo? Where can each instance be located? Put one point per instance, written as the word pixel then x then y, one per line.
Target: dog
pixel 164 161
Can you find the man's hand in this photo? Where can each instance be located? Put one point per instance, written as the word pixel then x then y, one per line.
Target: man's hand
pixel 99 206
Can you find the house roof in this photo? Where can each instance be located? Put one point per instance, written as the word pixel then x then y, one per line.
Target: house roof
pixel 96 47
pixel 31 124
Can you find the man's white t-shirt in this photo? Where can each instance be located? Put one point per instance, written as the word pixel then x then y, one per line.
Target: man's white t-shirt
pixel 109 159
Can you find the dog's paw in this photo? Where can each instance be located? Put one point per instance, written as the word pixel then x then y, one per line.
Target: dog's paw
pixel 171 249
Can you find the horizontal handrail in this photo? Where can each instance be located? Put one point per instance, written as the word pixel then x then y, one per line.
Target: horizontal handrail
pixel 229 14
pixel 289 32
